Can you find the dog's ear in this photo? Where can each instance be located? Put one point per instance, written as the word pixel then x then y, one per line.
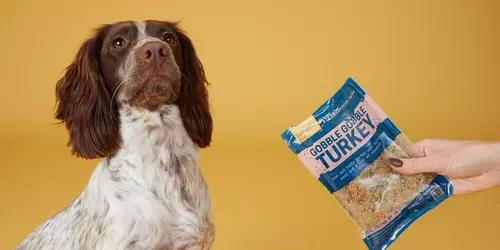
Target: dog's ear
pixel 193 100
pixel 85 106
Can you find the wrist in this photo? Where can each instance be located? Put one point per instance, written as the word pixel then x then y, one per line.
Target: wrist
pixel 495 153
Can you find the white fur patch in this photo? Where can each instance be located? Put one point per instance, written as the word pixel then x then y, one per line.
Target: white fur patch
pixel 141 28
pixel 150 195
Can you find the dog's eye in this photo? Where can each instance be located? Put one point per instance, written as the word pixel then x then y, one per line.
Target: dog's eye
pixel 118 42
pixel 169 38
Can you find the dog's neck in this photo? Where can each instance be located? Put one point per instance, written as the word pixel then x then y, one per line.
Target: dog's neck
pixel 153 135
pixel 156 151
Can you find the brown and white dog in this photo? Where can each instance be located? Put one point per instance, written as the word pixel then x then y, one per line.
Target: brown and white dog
pixel 135 94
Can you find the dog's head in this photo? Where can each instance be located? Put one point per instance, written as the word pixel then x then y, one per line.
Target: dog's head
pixel 144 65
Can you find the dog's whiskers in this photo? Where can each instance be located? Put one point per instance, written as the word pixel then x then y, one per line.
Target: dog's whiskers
pixel 185 77
pixel 114 93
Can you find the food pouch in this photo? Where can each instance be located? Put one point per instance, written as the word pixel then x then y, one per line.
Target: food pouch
pixel 346 144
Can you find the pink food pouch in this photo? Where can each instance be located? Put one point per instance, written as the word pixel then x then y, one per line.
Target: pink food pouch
pixel 346 144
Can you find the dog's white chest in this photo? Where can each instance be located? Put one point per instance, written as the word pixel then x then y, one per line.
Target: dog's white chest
pixel 156 197
pixel 150 195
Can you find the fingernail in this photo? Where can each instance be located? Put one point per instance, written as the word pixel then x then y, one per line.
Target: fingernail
pixel 397 163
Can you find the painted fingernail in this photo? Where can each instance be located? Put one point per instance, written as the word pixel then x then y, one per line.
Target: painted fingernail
pixel 397 163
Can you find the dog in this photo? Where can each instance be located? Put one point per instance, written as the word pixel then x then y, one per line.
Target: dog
pixel 136 95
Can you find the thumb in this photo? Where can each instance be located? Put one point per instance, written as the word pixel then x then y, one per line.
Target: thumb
pixel 434 164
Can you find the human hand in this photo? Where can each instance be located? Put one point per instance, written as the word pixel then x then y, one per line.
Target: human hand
pixel 471 166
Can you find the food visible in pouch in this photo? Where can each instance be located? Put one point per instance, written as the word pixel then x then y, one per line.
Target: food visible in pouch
pixel 346 144
pixel 378 192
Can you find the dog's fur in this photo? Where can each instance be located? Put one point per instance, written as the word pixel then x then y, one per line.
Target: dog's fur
pixel 135 94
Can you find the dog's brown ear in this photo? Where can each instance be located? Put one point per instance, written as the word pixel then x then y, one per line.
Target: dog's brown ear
pixel 193 100
pixel 85 106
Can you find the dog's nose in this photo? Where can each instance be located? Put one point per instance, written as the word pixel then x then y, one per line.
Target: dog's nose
pixel 153 50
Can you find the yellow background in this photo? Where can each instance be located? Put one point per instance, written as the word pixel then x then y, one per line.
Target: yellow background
pixel 433 66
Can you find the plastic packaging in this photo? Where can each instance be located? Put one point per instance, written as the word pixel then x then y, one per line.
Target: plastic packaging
pixel 346 144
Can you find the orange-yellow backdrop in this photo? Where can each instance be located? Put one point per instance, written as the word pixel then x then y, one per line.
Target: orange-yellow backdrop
pixel 433 66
